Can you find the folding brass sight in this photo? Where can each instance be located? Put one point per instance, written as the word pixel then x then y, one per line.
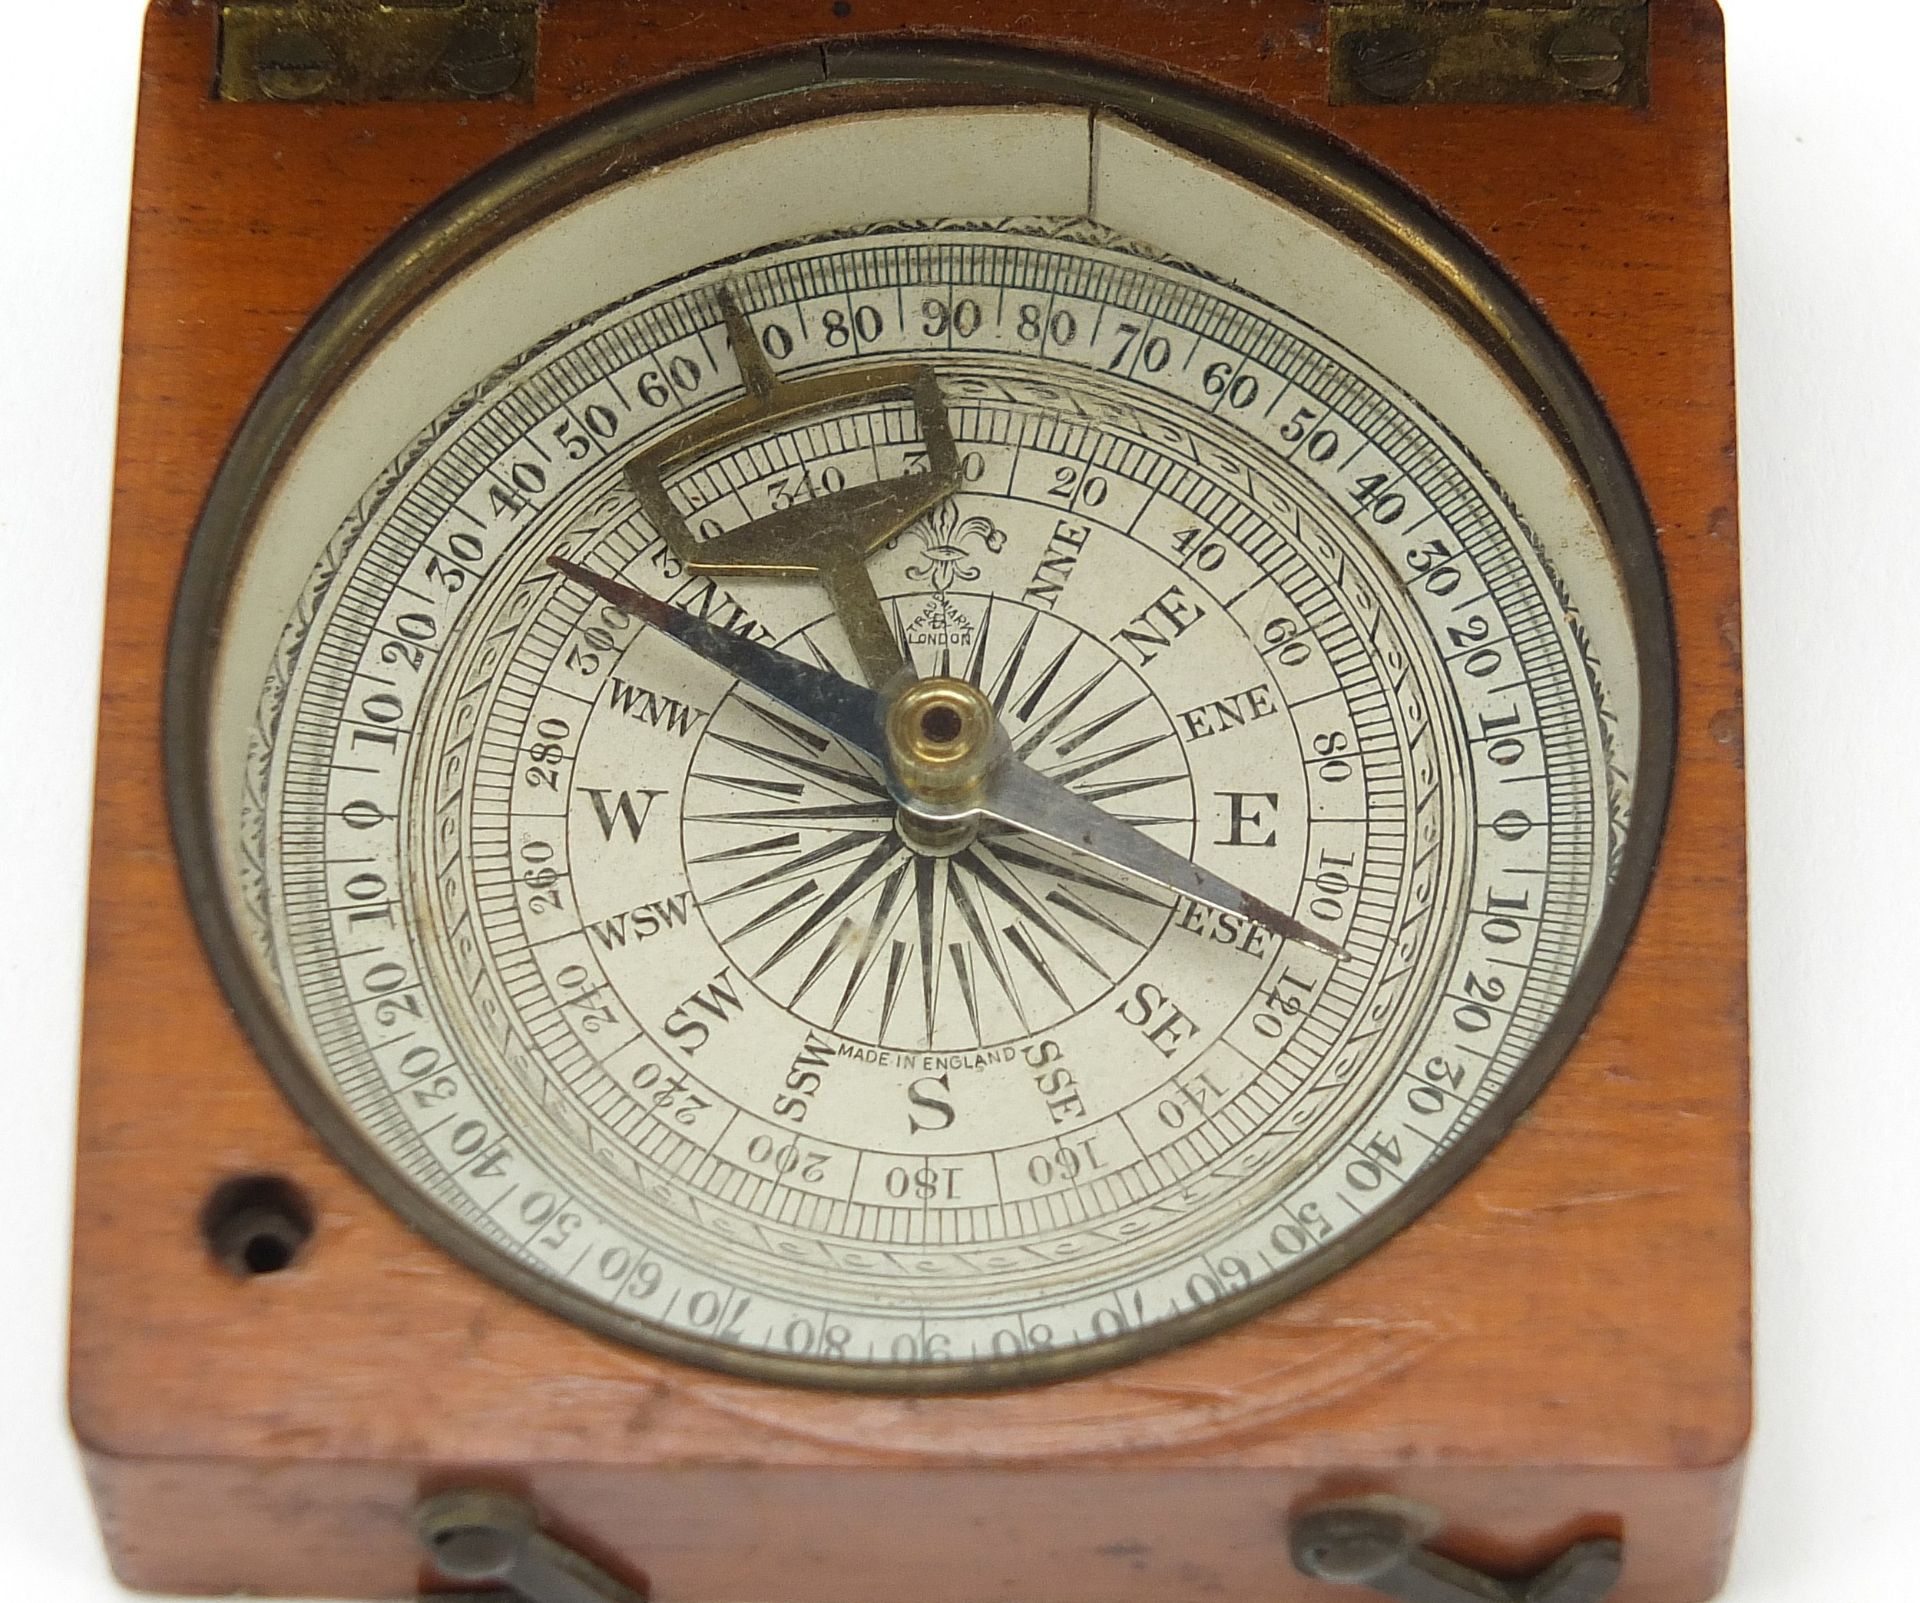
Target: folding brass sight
pixel 831 536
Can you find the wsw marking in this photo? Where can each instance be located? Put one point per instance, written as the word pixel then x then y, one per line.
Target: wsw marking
pixel 622 809
pixel 639 923
pixel 649 707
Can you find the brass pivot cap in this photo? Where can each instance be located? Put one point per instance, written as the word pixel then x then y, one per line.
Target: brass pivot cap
pixel 941 740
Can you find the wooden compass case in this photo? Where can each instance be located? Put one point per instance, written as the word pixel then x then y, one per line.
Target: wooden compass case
pixel 1559 1349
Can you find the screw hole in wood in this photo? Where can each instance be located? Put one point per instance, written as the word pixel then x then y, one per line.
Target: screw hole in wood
pixel 256 1225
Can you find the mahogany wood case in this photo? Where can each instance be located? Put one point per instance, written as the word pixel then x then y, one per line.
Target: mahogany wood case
pixel 1558 1349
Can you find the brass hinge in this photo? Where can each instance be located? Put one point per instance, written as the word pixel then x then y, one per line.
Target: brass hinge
pixel 360 50
pixel 1487 52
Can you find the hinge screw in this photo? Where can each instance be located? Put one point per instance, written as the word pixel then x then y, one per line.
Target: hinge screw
pixel 1389 65
pixel 294 66
pixel 1588 56
pixel 479 63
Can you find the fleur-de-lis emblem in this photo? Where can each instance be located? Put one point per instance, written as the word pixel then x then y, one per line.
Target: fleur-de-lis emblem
pixel 945 558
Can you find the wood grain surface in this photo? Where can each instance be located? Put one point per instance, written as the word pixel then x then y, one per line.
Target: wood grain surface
pixel 1559 1348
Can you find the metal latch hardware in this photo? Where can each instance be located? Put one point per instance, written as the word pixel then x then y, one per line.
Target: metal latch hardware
pixel 474 1536
pixel 1372 1543
pixel 1488 52
pixel 361 50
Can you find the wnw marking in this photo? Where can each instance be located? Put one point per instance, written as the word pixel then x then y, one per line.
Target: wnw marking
pixel 649 707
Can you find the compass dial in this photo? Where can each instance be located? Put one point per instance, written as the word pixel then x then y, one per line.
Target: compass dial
pixel 622 972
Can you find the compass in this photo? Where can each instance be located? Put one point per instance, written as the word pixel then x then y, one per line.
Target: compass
pixel 910 736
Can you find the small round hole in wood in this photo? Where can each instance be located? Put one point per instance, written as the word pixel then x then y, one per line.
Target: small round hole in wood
pixel 256 1225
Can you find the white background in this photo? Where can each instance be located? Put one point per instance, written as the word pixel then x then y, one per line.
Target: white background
pixel 1826 165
